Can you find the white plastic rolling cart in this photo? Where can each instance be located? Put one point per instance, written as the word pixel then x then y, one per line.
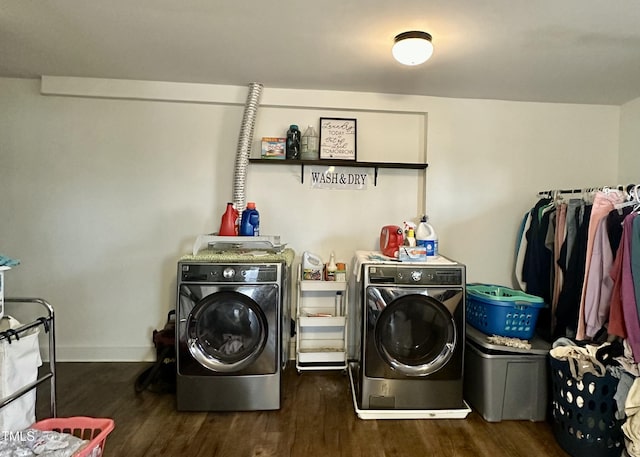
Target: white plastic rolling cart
pixel 321 324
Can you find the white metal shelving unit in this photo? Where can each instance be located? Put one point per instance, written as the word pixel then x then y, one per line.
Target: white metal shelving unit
pixel 321 324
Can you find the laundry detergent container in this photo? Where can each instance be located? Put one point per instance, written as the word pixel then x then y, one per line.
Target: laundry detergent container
pixel 498 310
pixel 505 383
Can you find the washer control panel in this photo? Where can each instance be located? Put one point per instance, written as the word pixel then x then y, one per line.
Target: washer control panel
pixel 415 275
pixel 232 273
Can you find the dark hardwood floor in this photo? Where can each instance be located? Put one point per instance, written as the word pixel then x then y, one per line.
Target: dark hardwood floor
pixel 317 418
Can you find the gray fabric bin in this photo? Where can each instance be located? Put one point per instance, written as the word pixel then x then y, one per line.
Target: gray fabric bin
pixel 504 383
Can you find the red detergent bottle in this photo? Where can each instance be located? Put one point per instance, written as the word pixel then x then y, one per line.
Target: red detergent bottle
pixel 228 226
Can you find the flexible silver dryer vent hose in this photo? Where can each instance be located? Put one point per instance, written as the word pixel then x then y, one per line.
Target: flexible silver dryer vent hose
pixel 244 145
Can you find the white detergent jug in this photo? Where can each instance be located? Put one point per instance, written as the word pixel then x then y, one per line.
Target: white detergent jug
pixel 312 266
pixel 426 236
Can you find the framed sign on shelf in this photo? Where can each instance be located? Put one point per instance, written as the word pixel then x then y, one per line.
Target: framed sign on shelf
pixel 337 138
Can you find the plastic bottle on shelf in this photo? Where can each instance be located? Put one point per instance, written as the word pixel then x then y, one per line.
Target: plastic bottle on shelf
pixel 411 239
pixel 331 268
pixel 341 272
pixel 339 305
pixel 426 236
pixel 309 144
pixel 293 142
pixel 250 223
pixel 228 225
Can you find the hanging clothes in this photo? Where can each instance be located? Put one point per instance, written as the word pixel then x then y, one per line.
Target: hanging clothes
pixel 521 248
pixel 536 268
pixel 582 257
pixel 629 308
pixel 635 260
pixel 569 301
pixel 537 265
pixel 615 221
pixel 603 204
pixel 597 294
pixel 617 326
pixel 614 226
pixel 558 275
pixel 573 223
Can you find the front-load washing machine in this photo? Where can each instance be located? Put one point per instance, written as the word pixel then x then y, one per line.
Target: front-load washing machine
pixel 412 339
pixel 229 335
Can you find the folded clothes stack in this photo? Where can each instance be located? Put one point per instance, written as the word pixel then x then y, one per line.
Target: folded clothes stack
pixel 31 442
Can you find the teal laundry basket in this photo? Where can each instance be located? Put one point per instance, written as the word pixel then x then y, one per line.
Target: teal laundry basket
pixel 498 310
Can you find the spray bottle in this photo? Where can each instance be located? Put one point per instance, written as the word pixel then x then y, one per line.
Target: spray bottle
pixel 409 234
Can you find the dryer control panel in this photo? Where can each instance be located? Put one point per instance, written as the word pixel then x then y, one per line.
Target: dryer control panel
pixel 415 275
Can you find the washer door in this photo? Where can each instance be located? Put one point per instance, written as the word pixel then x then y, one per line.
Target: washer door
pixel 226 331
pixel 415 334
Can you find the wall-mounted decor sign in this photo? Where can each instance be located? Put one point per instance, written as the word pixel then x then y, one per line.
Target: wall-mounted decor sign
pixel 337 138
pixel 339 177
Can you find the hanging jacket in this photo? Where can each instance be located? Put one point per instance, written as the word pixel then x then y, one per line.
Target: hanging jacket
pixel 536 271
pixel 569 299
pixel 629 309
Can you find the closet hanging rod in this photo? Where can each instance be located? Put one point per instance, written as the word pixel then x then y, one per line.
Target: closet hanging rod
pixel 577 191
pixel 560 191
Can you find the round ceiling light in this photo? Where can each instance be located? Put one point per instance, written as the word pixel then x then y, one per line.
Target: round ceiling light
pixel 412 48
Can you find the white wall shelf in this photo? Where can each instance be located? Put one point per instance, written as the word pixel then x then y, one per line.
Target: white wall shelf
pixel 341 163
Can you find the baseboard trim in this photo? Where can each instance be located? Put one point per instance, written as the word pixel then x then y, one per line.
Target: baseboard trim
pixel 101 354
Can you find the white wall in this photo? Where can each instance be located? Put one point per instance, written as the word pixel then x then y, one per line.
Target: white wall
pixel 629 168
pixel 101 196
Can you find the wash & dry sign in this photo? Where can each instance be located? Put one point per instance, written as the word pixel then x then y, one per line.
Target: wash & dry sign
pixel 339 178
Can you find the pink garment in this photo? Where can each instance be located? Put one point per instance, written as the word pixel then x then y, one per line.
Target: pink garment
pixel 599 284
pixel 627 290
pixel 602 203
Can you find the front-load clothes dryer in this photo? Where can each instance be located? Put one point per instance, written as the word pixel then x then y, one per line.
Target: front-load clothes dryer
pixel 412 337
pixel 230 336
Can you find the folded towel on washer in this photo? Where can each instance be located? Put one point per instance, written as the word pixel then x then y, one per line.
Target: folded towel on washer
pixel 287 255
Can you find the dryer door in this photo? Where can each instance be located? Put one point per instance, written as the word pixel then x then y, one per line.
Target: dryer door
pixel 415 335
pixel 226 331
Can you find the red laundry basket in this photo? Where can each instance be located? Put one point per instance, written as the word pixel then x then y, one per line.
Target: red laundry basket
pixel 94 429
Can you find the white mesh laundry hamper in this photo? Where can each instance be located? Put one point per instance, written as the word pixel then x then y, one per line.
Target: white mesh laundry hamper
pixel 19 362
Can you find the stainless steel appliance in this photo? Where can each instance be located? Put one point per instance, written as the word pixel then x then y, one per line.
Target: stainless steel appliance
pixel 231 338
pixel 412 337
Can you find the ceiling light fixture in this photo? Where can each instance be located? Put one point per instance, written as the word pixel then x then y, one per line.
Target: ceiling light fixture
pixel 412 48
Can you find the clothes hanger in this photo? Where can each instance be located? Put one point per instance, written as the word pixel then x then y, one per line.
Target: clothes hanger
pixel 636 189
pixel 558 199
pixel 634 199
